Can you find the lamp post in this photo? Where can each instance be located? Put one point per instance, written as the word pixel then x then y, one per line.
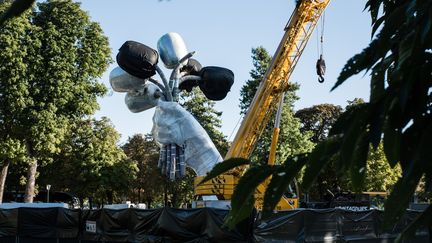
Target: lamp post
pixel 48 187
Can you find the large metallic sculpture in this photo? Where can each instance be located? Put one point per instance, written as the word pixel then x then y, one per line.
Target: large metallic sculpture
pixel 182 140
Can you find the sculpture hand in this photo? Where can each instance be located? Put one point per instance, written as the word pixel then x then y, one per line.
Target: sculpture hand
pixel 172 124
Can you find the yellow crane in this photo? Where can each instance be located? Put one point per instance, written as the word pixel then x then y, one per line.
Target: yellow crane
pixel 269 93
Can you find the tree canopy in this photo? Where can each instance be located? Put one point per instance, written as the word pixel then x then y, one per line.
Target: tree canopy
pixel 260 60
pixel 150 186
pixel 318 119
pixel 90 164
pixel 50 60
pixel 149 183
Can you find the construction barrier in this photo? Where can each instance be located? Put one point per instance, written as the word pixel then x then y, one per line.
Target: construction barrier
pixel 60 225
pixel 333 225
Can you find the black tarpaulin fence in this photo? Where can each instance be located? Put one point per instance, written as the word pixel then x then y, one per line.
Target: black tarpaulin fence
pixel 47 225
pixel 332 225
pixel 59 225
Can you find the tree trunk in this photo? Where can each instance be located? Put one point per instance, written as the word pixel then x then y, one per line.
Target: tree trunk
pixel 166 195
pixel 90 202
pixel 110 197
pixel 3 175
pixel 31 181
pixel 148 200
pixel 174 200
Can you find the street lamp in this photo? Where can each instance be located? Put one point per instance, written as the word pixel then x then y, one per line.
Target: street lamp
pixel 48 187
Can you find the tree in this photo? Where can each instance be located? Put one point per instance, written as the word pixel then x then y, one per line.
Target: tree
pixel 318 119
pixel 203 110
pixel 16 9
pixel 64 54
pixel 14 43
pixel 261 61
pixel 181 191
pixel 91 164
pixel 381 176
pixel 291 140
pixel 149 182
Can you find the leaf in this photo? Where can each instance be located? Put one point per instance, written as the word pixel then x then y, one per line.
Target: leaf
pixel 223 167
pixel 350 138
pixel 377 81
pixel 360 62
pixel 377 48
pixel 359 160
pixel 376 25
pixel 394 20
pixel 377 100
pixel 344 120
pixel 427 33
pixel 424 219
pixel 18 7
pixel 406 48
pixel 392 141
pixel 235 217
pixel 319 157
pixel 398 200
pixel 392 133
pixel 374 6
pixel 281 178
pixel 245 189
pixel 376 124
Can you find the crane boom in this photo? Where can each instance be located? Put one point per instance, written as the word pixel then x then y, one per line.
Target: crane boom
pixel 297 33
pixel 275 82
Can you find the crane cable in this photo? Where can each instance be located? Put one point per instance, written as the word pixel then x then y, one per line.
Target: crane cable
pixel 320 65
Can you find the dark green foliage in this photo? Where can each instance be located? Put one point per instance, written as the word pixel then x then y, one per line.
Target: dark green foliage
pixel 261 61
pixel 181 191
pixel 90 164
pixel 322 154
pixel 50 61
pixel 150 186
pixel 282 177
pixel 223 167
pixel 149 183
pixel 242 202
pixel 17 8
pixel 400 103
pixel 318 119
pixel 423 219
pixel 400 107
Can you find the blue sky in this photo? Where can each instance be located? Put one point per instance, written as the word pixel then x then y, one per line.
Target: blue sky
pixel 223 32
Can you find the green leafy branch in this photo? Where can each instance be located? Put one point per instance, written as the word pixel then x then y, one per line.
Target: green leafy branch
pixel 16 9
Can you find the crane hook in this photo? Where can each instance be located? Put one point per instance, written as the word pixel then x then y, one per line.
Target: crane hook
pixel 320 69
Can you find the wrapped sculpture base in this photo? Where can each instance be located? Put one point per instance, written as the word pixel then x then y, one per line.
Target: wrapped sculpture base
pixel 172 124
